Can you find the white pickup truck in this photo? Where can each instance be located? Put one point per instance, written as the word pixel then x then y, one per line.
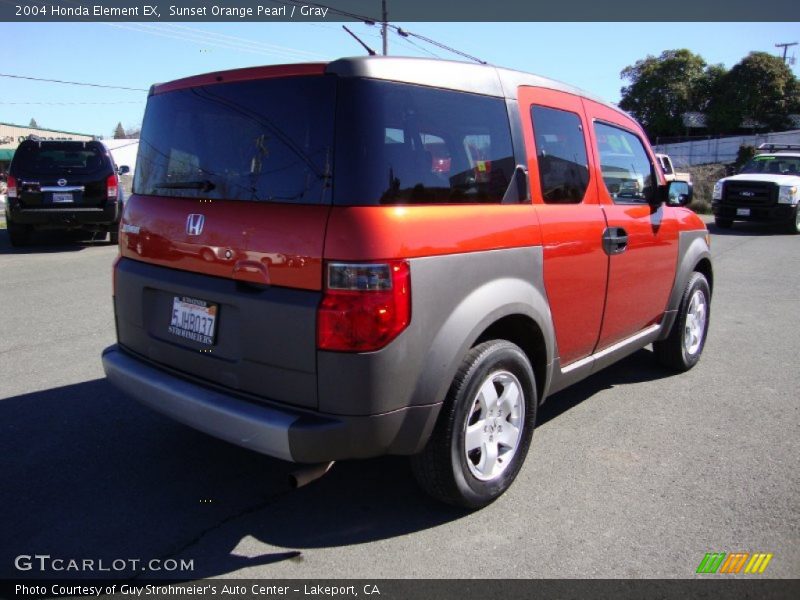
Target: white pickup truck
pixel 670 174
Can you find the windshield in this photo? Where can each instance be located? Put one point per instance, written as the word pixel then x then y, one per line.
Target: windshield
pixel 267 140
pixel 773 165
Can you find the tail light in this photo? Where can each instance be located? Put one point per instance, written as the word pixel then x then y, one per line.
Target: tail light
pixel 365 306
pixel 112 185
pixel 11 184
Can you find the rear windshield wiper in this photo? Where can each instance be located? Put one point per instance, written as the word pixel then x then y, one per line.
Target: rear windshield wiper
pixel 204 185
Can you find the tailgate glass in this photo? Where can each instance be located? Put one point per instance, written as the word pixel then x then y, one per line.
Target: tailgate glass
pixel 266 140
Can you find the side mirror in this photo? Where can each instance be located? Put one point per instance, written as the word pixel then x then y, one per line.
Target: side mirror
pixel 679 193
pixel 124 169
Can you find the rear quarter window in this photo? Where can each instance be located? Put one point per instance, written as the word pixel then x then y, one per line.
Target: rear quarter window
pixel 406 144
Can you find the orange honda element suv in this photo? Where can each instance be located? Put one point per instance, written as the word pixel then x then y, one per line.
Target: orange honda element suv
pixel 395 256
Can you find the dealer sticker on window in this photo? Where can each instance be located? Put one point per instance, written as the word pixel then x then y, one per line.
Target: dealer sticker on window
pixel 193 319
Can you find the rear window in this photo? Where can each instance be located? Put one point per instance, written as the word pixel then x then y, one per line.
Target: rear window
pixel 56 158
pixel 268 140
pixel 405 144
pixel 321 139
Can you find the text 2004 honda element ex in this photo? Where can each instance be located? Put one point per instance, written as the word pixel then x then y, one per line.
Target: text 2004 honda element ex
pixel 395 256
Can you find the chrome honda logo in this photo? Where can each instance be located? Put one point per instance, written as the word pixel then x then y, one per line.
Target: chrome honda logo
pixel 194 224
pixel 62 182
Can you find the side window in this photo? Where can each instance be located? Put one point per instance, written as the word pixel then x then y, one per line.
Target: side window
pixel 561 154
pixel 627 171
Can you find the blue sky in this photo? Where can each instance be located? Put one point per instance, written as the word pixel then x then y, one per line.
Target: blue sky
pixel 588 55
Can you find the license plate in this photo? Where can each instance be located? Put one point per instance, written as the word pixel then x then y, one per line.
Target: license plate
pixel 193 319
pixel 742 212
pixel 62 198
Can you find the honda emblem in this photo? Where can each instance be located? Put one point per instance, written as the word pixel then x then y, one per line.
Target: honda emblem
pixel 194 224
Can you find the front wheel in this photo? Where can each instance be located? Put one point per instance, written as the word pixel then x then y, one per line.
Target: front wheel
pixel 794 223
pixel 682 349
pixel 484 430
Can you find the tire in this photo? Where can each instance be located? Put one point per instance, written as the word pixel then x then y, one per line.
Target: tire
pixel 18 235
pixel 493 375
pixel 794 225
pixel 682 349
pixel 723 223
pixel 113 236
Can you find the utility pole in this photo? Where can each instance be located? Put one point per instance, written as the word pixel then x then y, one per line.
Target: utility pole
pixel 385 28
pixel 784 46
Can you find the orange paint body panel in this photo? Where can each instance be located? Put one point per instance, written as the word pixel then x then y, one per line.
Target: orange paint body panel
pixel 575 266
pixel 256 242
pixel 380 232
pixel 640 279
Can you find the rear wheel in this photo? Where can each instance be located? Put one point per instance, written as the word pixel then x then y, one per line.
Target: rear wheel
pixel 723 223
pixel 18 235
pixel 113 235
pixel 682 349
pixel 484 430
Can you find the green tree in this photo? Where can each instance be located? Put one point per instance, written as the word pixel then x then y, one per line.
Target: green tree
pixel 33 123
pixel 119 132
pixel 760 88
pixel 662 88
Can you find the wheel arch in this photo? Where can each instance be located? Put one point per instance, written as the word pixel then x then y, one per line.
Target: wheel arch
pixel 508 308
pixel 694 255
pixel 525 332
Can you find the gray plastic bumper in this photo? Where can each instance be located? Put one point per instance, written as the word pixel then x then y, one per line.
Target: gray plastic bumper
pixel 276 431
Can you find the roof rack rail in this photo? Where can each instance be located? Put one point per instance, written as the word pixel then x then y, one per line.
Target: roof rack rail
pixel 779 148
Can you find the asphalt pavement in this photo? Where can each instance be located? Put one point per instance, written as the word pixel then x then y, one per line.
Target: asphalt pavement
pixel 635 472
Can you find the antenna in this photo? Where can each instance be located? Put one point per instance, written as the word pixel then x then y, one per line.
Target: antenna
pixel 384 27
pixel 358 39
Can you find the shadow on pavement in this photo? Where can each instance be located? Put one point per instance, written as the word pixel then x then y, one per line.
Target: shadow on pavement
pixel 90 474
pixel 52 242
pixel 744 228
pixel 639 367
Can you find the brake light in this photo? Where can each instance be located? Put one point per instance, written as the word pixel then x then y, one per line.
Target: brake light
pixel 11 186
pixel 112 185
pixel 365 306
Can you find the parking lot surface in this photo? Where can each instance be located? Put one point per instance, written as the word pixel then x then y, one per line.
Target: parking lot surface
pixel 635 472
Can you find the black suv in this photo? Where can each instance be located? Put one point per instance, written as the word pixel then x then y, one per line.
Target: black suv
pixel 62 186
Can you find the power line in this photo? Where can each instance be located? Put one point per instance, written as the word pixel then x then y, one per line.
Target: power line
pixel 373 21
pixel 97 85
pixel 208 38
pixel 72 103
pixel 237 39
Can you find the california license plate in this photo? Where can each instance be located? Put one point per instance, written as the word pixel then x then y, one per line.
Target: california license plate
pixel 742 212
pixel 61 198
pixel 193 319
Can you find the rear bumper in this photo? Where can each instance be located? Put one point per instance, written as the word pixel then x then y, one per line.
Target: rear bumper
pixel 66 217
pixel 772 213
pixel 272 429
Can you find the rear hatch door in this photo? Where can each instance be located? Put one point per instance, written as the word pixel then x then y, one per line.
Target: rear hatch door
pixel 62 175
pixel 222 239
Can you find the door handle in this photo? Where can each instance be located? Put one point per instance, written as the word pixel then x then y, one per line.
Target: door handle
pixel 615 240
